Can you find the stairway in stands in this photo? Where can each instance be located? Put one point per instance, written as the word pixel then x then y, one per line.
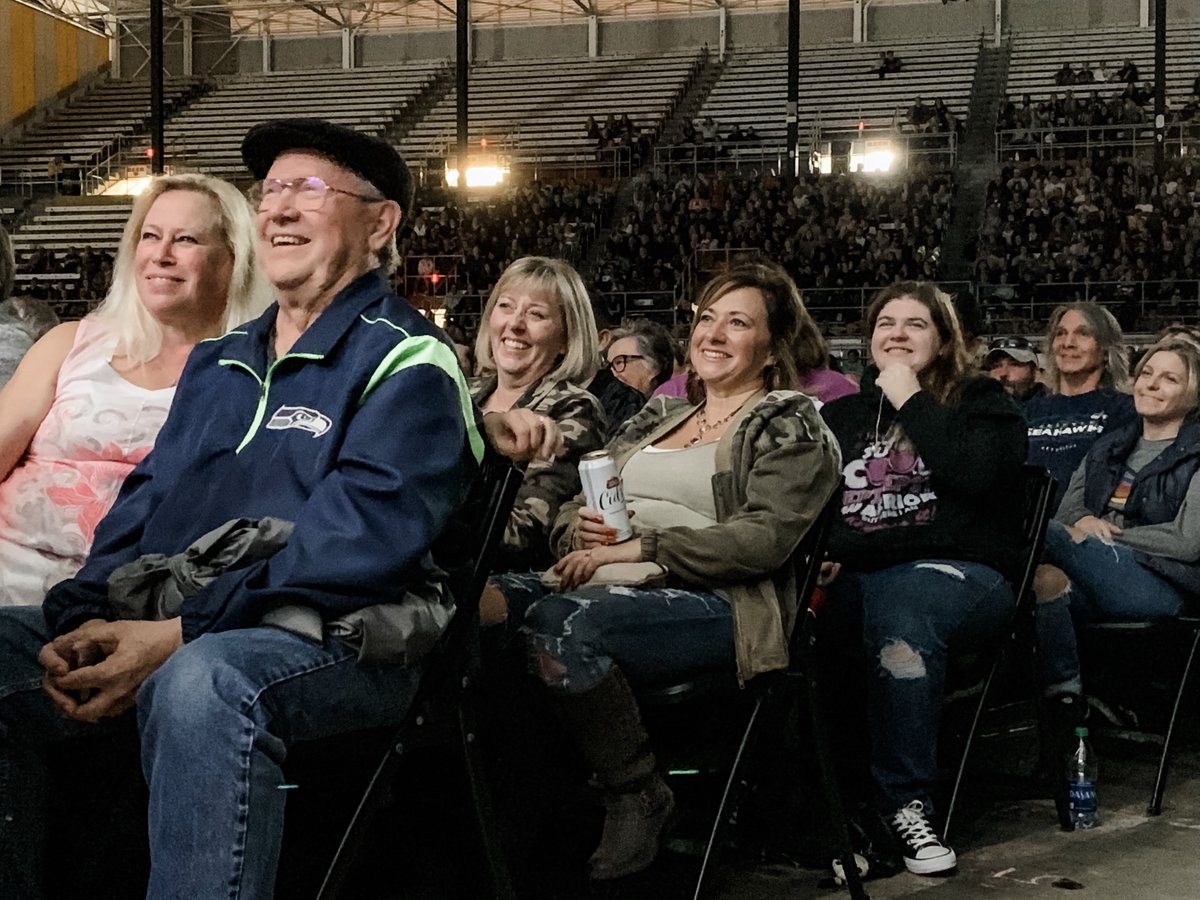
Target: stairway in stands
pixel 698 88
pixel 976 162
pixel 700 83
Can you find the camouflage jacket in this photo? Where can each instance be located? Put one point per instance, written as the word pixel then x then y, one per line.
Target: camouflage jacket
pixel 777 466
pixel 581 421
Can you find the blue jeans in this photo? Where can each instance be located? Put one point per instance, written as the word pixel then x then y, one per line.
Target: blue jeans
pixel 655 635
pixel 912 616
pixel 215 723
pixel 1107 585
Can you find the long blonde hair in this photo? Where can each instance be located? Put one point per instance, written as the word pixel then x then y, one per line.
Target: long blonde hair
pixel 138 334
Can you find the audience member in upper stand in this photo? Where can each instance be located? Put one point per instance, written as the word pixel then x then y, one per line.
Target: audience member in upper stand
pixel 1128 73
pixel 1013 362
pixel 1088 378
pixel 640 354
pixel 918 114
pixel 928 529
pixel 89 399
pixel 536 349
pixel 889 64
pixel 1065 75
pixel 1125 542
pixel 724 490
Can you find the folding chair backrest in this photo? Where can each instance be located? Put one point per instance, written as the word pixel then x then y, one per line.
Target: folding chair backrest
pixel 807 559
pixel 466 551
pixel 1038 491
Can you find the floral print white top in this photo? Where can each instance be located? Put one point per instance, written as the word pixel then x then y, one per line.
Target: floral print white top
pixel 98 428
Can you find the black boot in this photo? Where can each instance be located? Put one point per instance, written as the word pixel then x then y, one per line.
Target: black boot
pixel 608 729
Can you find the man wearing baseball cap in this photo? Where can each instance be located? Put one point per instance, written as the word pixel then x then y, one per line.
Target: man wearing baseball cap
pixel 1014 363
pixel 341 416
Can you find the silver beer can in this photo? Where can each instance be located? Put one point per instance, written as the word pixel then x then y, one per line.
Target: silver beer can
pixel 603 491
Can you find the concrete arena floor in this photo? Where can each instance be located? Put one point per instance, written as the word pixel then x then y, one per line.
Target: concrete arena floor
pixel 1014 849
pixel 1008 847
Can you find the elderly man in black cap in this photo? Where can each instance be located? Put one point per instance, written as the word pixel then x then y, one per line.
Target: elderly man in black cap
pixel 314 454
pixel 1014 363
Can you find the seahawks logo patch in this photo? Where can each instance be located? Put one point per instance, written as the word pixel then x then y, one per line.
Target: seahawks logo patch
pixel 300 417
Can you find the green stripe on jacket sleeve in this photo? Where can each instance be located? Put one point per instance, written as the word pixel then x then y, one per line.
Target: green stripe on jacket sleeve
pixel 429 351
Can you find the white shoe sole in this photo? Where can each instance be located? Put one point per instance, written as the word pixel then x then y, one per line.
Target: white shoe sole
pixel 931 866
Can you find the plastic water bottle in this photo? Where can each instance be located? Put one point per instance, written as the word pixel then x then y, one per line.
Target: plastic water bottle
pixel 1081 782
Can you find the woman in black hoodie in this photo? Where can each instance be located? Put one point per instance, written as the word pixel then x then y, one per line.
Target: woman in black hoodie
pixel 930 522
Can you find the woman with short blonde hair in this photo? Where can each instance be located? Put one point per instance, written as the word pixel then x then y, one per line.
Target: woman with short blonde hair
pixel 537 350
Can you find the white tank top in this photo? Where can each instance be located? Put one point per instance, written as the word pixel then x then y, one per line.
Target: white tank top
pixel 98 428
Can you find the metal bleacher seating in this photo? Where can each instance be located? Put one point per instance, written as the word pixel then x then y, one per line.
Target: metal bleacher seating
pixel 536 110
pixel 86 125
pixel 74 223
pixel 207 135
pixel 1036 56
pixel 838 88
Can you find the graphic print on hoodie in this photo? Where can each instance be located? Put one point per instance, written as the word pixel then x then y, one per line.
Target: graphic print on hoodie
pixel 887 486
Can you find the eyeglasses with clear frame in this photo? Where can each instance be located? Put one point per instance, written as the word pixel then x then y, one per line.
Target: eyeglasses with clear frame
pixel 308 193
pixel 618 363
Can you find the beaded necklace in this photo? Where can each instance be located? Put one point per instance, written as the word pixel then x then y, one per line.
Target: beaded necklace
pixel 704 427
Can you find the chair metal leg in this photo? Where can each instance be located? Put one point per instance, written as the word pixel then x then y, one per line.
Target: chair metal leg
pixel 1160 781
pixel 373 799
pixel 833 796
pixel 966 752
pixel 481 794
pixel 712 848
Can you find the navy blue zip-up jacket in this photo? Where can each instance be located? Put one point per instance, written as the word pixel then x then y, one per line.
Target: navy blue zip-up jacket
pixel 362 434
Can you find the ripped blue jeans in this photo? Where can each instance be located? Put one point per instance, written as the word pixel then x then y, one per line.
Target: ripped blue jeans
pixel 655 635
pixel 1107 585
pixel 913 615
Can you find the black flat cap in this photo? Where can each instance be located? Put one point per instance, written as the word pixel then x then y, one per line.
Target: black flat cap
pixel 368 157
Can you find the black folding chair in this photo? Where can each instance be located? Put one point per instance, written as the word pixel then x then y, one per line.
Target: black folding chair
pixel 1038 491
pixel 1182 630
pixel 770 689
pixel 466 552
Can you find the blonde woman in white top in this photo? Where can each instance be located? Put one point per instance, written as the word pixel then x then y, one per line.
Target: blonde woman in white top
pixel 88 399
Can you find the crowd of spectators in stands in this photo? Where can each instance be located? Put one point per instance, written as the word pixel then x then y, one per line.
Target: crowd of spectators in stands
pixel 93 268
pixel 1079 225
pixel 709 140
pixel 475 243
pixel 1060 120
pixel 936 119
pixel 617 133
pixel 850 232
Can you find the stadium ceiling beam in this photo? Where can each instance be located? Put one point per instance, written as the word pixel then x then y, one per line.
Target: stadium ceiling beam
pixel 72 9
pixel 318 9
